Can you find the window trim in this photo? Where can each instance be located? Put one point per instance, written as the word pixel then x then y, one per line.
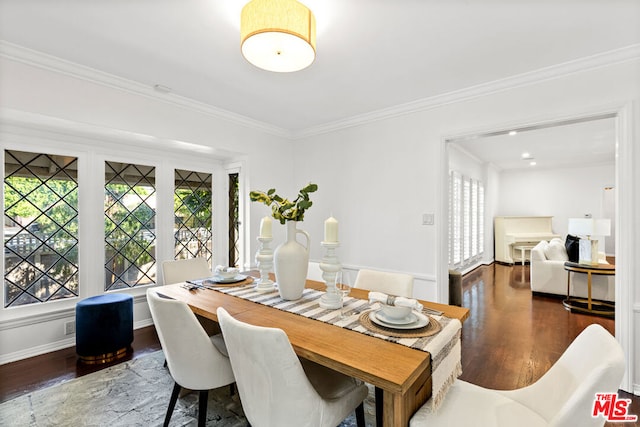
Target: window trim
pixel 91 156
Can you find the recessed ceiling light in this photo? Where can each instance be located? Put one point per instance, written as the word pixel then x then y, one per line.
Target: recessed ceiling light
pixel 513 132
pixel 526 155
pixel 532 163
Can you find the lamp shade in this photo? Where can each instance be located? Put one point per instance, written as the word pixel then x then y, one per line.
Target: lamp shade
pixel 278 35
pixel 589 227
pixel 602 227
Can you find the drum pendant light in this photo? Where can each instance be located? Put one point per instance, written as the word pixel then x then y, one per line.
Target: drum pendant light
pixel 278 35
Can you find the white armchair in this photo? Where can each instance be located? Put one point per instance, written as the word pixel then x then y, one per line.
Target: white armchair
pixel 563 397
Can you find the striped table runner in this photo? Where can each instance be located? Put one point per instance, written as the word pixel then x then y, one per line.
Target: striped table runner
pixel 444 347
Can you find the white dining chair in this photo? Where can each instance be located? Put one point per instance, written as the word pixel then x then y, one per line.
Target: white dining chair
pixel 195 360
pixel 562 397
pixel 399 284
pixel 181 270
pixel 278 389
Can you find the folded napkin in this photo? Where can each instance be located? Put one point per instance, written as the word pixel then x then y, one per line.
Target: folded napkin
pixel 394 300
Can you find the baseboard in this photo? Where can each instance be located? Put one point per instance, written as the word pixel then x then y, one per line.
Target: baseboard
pixel 37 350
pixel 548 295
pixel 55 346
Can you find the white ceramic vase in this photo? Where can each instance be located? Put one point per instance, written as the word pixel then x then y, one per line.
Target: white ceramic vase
pixel 291 261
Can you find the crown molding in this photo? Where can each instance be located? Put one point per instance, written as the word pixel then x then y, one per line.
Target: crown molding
pixel 605 59
pixel 52 63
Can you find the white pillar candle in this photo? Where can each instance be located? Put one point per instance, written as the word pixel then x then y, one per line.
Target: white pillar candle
pixel 331 230
pixel 265 227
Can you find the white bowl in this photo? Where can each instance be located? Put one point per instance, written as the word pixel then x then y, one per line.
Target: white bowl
pixel 395 313
pixel 228 273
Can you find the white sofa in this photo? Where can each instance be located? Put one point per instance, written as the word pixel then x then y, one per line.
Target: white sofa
pixel 548 275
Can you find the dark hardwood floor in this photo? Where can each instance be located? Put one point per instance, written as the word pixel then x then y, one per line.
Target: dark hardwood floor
pixel 511 337
pixel 510 340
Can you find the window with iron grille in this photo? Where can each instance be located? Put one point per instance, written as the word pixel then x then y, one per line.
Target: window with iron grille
pixel 40 228
pixel 234 219
pixel 192 215
pixel 130 236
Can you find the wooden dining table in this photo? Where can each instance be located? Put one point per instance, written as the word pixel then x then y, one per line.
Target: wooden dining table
pixel 402 373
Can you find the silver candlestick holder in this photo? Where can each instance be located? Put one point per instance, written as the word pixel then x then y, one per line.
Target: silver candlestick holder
pixel 330 266
pixel 264 258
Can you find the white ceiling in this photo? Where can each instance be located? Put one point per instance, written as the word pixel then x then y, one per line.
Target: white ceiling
pixel 371 54
pixel 586 143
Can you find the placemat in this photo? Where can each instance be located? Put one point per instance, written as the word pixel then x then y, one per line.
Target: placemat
pixel 431 329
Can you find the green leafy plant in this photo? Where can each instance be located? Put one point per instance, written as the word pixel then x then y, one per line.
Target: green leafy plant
pixel 284 209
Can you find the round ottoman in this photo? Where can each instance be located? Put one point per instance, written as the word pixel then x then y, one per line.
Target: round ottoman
pixel 104 327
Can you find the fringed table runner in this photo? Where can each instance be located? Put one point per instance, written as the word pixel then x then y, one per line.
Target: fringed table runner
pixel 444 346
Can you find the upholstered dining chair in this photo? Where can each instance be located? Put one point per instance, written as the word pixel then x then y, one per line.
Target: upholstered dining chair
pixel 562 397
pixel 278 389
pixel 398 284
pixel 181 270
pixel 195 360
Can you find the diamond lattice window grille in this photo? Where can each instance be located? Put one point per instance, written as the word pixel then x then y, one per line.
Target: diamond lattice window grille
pixel 41 228
pixel 130 238
pixel 192 215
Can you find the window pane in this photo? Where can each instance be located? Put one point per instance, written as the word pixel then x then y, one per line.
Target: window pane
pixel 129 207
pixel 41 228
pixel 192 213
pixel 234 219
pixel 474 217
pixel 466 218
pixel 480 218
pixel 457 218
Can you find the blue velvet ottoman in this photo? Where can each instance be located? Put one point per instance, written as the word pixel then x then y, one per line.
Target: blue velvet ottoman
pixel 104 328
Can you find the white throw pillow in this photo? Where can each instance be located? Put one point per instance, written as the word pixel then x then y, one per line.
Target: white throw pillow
pixel 556 251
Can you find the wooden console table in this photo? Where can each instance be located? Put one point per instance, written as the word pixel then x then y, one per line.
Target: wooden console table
pixel 588 305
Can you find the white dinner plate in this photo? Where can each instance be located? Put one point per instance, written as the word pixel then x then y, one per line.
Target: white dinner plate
pixel 220 279
pixel 409 318
pixel 421 321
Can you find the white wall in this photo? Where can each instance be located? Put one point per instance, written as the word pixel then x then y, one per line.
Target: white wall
pixel 462 161
pixel 561 193
pixel 379 177
pixel 492 200
pixel 57 111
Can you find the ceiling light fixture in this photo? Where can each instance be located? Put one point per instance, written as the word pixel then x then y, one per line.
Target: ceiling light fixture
pixel 526 156
pixel 278 35
pixel 532 163
pixel 513 132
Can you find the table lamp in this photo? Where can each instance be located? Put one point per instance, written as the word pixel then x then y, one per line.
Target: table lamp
pixel 589 227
